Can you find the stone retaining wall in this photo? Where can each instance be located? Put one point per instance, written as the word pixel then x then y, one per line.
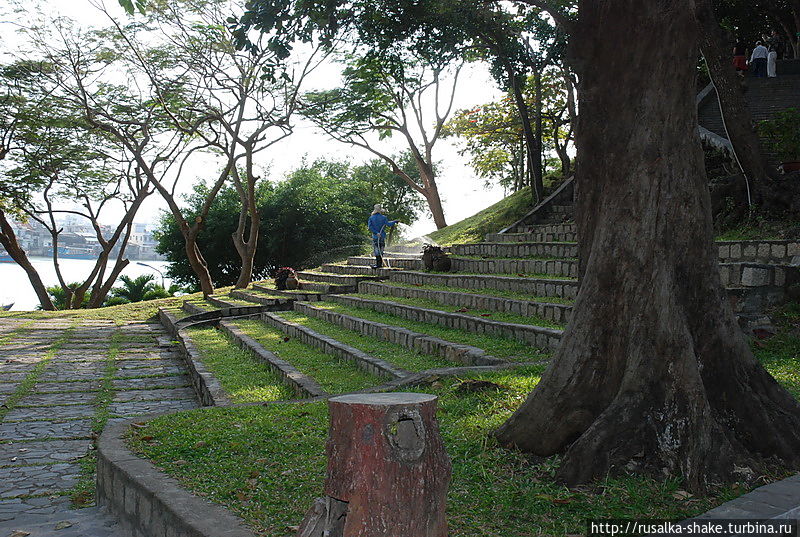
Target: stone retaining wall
pixel 533 286
pixel 302 384
pixel 545 338
pixel 557 313
pixel 208 389
pixel 423 343
pixel 758 275
pixel 147 502
pixel 328 345
pixel 774 252
pixel 500 249
pixel 553 267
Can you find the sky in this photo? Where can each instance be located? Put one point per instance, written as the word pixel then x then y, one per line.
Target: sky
pixel 462 193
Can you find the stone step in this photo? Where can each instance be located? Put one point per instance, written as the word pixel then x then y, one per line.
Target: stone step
pixel 454 352
pixel 341 280
pixel 328 345
pixel 354 270
pixel 554 250
pixel 534 286
pixel 502 265
pixel 544 338
pixel 413 263
pixel 324 288
pixel 307 296
pixel 249 296
pixel 557 313
pixel 534 236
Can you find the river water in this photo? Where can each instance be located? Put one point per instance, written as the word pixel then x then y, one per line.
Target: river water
pixel 15 286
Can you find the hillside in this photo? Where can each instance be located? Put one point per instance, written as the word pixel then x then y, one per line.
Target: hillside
pixel 492 219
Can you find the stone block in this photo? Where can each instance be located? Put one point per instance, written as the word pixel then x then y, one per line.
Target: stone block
pixel 755 276
pixel 763 250
pixel 778 251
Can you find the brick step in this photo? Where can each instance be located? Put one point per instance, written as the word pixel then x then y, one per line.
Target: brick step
pixel 328 345
pixel 534 286
pixel 354 270
pixel 563 209
pixel 526 249
pixel 778 251
pixel 533 236
pixel 306 296
pixel 415 341
pixel 412 263
pixel 544 338
pixel 557 313
pixel 553 267
pixel 341 280
pixel 302 384
pixel 324 288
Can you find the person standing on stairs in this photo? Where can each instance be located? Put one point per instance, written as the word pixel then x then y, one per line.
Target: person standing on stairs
pixel 377 224
pixel 772 62
pixel 758 60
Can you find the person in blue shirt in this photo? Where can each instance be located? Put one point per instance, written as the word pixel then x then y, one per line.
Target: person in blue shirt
pixel 377 224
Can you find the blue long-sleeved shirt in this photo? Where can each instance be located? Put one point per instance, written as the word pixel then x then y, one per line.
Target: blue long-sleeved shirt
pixel 378 223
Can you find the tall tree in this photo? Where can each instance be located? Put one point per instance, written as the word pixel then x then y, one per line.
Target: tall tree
pixel 408 95
pixel 653 374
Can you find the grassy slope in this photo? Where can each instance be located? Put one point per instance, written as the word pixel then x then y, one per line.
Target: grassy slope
pixel 490 220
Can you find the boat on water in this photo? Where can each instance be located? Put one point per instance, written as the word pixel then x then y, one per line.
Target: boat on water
pixel 76 252
pixel 5 258
pixel 6 307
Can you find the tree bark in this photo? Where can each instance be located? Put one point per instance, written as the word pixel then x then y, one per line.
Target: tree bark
pixel 733 106
pixel 434 202
pixel 653 374
pixel 532 146
pixel 198 264
pixel 246 247
pixel 9 241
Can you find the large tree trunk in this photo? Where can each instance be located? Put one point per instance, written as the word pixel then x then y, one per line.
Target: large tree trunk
pixel 733 107
pixel 9 241
pixel 431 193
pixel 653 374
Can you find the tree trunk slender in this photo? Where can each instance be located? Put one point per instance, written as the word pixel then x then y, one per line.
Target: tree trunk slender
pixel 531 145
pixel 198 264
pixel 9 241
pixel 653 374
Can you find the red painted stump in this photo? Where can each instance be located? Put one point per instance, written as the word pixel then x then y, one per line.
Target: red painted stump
pixel 388 471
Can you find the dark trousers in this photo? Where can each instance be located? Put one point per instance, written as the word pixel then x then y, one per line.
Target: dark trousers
pixel 760 67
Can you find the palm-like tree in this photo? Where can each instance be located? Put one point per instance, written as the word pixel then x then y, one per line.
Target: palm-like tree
pixel 133 289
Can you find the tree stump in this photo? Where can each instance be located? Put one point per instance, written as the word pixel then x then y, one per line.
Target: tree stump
pixel 388 471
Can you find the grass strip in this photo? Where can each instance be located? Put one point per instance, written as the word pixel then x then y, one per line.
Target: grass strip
pixel 780 354
pixel 333 374
pixel 394 354
pixel 83 493
pixel 245 378
pixel 521 257
pixel 495 346
pixel 267 465
pixel 482 314
pixel 523 275
pixel 25 386
pixel 500 293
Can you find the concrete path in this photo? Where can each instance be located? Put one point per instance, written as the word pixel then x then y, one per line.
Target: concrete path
pixel 61 381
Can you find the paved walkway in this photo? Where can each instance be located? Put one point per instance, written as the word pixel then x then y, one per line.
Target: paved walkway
pixel 60 382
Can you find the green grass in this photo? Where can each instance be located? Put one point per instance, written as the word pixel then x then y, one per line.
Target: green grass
pixel 243 377
pixel 494 346
pixel 18 330
pixel 490 220
pixel 270 285
pixel 394 354
pixel 781 354
pixel 523 257
pixel 26 385
pixel 83 493
pixel 482 314
pixel 502 293
pixel 125 313
pixel 267 465
pixel 334 375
